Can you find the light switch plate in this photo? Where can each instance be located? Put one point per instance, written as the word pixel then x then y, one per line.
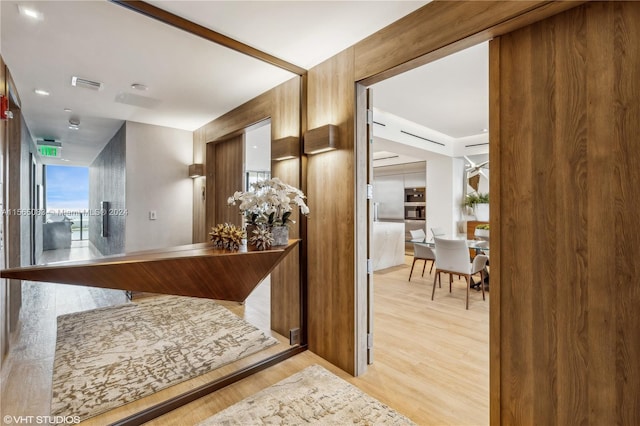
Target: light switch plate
pixel 153 215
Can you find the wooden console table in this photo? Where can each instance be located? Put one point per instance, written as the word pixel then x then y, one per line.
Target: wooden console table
pixel 197 270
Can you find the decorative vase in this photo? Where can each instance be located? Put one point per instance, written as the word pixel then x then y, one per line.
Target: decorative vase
pixel 280 235
pixel 481 233
pixel 249 228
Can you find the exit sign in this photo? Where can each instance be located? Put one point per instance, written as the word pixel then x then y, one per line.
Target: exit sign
pixel 49 151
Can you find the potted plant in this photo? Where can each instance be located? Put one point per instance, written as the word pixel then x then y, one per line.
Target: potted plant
pixel 479 202
pixel 482 231
pixel 269 205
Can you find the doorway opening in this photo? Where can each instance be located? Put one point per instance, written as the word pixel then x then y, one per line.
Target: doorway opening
pixel 428 153
pixel 67 207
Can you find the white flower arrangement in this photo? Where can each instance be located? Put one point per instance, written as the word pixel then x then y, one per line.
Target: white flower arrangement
pixel 269 202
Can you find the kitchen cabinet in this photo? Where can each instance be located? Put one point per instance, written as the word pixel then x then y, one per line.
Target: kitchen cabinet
pixel 415 180
pixel 388 194
pixel 415 213
pixel 415 203
pixel 388 243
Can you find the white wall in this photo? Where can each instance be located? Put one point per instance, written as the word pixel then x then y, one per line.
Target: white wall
pixel 257 149
pixel 157 167
pixel 457 179
pixel 444 194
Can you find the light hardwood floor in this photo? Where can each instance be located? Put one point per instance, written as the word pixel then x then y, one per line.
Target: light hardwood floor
pixel 431 358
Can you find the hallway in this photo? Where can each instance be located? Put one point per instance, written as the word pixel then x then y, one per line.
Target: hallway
pixel 79 250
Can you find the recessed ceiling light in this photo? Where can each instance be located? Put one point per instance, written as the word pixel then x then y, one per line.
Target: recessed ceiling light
pixel 74 127
pixel 68 110
pixel 41 92
pixel 139 86
pixel 485 130
pixel 255 147
pixel 29 12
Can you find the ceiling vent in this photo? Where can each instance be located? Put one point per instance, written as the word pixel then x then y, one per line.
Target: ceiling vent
pixel 137 100
pixel 87 84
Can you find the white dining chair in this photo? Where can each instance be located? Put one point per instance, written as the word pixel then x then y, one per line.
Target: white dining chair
pixel 453 258
pixel 438 232
pixel 417 234
pixel 425 253
pixel 421 252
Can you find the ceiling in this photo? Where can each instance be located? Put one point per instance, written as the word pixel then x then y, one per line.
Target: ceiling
pixel 190 81
pixel 450 95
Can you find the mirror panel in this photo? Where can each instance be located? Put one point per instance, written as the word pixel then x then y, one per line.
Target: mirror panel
pixel 101 42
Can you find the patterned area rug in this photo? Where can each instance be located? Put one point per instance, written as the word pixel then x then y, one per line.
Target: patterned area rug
pixel 313 395
pixel 108 357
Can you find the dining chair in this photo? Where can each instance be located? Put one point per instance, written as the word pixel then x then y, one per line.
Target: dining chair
pixel 438 232
pixel 418 234
pixel 421 252
pixel 425 253
pixel 453 258
pixel 483 248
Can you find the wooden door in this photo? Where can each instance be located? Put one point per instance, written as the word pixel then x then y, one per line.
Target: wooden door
pixel 227 167
pixel 565 343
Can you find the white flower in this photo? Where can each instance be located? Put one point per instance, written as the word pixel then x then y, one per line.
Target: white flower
pixel 269 202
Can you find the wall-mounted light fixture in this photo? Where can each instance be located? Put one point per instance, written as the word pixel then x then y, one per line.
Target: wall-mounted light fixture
pixel 196 170
pixel 321 139
pixel 285 148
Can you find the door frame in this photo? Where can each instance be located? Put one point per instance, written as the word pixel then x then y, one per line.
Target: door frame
pixel 456 39
pixel 33 181
pixel 364 225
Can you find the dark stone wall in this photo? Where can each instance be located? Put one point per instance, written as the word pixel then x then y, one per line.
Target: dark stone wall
pixel 107 175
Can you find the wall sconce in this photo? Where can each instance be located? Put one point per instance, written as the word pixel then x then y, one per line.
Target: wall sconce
pixel 196 170
pixel 285 148
pixel 321 139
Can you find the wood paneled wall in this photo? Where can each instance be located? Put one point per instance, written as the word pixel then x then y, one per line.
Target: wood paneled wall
pixel 437 29
pixel 331 192
pixel 4 299
pixel 564 132
pixel 199 186
pixel 286 110
pixel 13 179
pixel 441 28
pixel 282 105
